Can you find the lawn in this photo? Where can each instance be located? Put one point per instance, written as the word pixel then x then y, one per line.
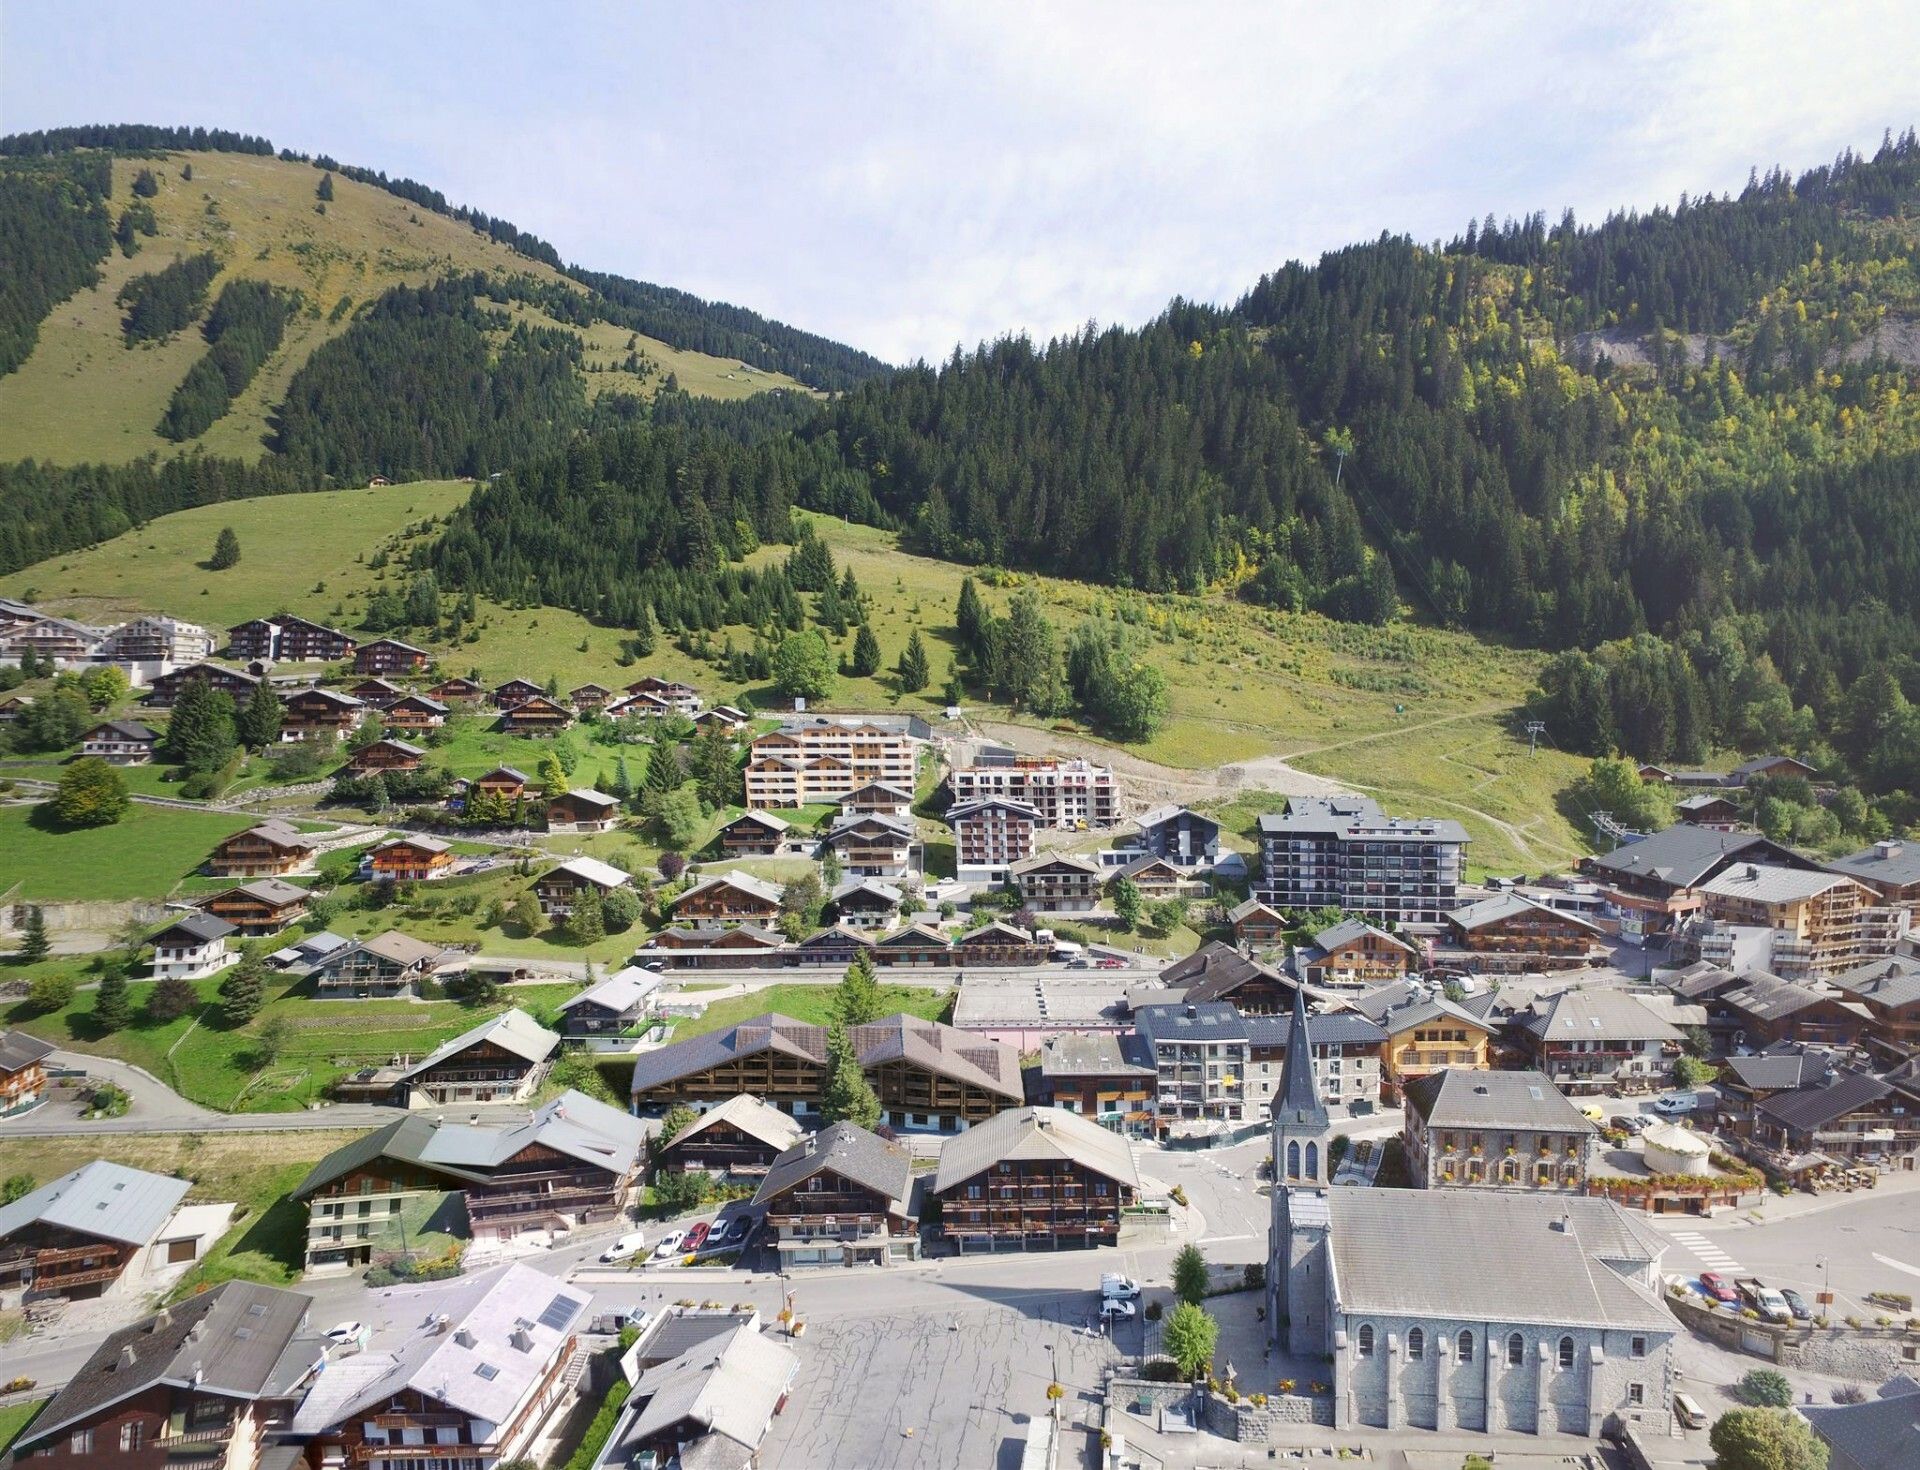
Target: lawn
pixel 16 1417
pixel 143 855
pixel 267 1240
pixel 811 1003
pixel 233 1071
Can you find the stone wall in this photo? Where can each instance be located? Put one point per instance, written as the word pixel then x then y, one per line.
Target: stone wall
pixel 1869 1354
pixel 1252 1423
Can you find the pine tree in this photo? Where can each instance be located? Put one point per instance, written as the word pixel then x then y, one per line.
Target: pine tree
pixel 226 551
pixel 324 193
pixel 643 640
pixel 200 733
pixel 713 768
pixel 866 653
pixel 664 774
pixel 587 923
pixel 848 1096
pixel 971 622
pixel 258 721
pixel 857 1000
pixel 244 991
pixel 34 944
pixel 553 775
pixel 622 781
pixel 112 1010
pixel 914 672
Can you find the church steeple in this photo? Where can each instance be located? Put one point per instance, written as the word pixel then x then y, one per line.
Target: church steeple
pixel 1297 1300
pixel 1297 1107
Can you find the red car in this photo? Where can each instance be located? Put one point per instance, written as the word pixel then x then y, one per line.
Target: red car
pixel 1718 1287
pixel 1108 962
pixel 696 1238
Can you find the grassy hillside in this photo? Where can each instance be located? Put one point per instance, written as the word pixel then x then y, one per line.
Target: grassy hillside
pixel 83 395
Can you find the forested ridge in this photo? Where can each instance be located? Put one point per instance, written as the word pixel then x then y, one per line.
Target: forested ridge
pixel 54 232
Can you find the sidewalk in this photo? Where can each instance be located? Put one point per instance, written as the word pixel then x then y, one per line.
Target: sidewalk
pixel 1774 1208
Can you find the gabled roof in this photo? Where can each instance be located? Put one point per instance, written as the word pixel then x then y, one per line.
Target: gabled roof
pixel 883 893
pixel 1769 998
pixel 991 803
pixel 503 1329
pixel 1701 981
pixel 589 870
pixel 1790 1065
pixel 105 1200
pixel 276 892
pixel 620 992
pixel 730 1385
pixel 402 949
pixel 1035 1135
pixel 1766 884
pixel 996 932
pixel 1892 982
pixel 122 730
pixel 936 1047
pixel 1893 863
pixel 751 1116
pixel 754 817
pixel 1519 1101
pixel 391 643
pixel 1504 906
pixel 860 1157
pixel 849 824
pixel 1215 970
pixel 1169 813
pixel 18 1051
pixel 1683 855
pixel 835 936
pixel 234 1341
pixel 1593 1015
pixel 513 1030
pixel 327 696
pixel 1825 1102
pixel 512 773
pixel 195 928
pixel 586 796
pixel 1042 862
pixel 389 742
pixel 276 833
pixel 768 1031
pixel 1147 861
pixel 1328 1028
pixel 1245 910
pixel 741 882
pixel 914 936
pixel 1882 1433
pixel 420 701
pixel 1351 931
pixel 1189 1022
pixel 415 840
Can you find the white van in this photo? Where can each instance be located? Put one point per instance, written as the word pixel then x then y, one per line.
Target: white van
pixel 1689 1412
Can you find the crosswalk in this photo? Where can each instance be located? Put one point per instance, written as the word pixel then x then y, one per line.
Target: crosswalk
pixel 1714 1258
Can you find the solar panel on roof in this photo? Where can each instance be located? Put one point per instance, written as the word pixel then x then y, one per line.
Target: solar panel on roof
pixel 559 1312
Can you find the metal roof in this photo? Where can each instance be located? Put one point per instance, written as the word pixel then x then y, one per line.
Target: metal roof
pixel 1765 884
pixel 200 928
pixel 512 1029
pixel 862 1158
pixel 620 992
pixel 751 1116
pixel 1893 982
pixel 730 1385
pixel 1825 1102
pixel 591 870
pixel 18 1050
pixel 1030 1134
pixel 1894 863
pixel 1683 855
pixel 1356 819
pixel 1518 1101
pixel 744 882
pixel 106 1200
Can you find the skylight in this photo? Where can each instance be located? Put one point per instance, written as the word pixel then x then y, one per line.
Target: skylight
pixel 559 1312
pixel 487 1371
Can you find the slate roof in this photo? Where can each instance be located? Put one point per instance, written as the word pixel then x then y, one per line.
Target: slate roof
pixel 1215 970
pixel 1349 931
pixel 1594 1015
pixel 850 824
pixel 277 833
pixel 1509 905
pixel 199 928
pixel 124 729
pixel 730 1385
pixel 513 1030
pixel 105 1200
pixel 1554 1277
pixel 1783 1068
pixel 1893 863
pixel 231 1341
pixel 1035 1134
pixel 744 882
pixel 18 1051
pixel 757 818
pixel 1040 861
pixel 751 1116
pixel 1329 1028
pixel 1892 982
pixel 1298 1099
pixel 1683 855
pixel 587 796
pixel 1190 1021
pixel 1881 1434
pixel 1766 884
pixel 275 891
pixel 886 893
pixel 512 1320
pixel 1769 998
pixel 1519 1101
pixel 1810 1108
pixel 863 1158
pixel 1702 981
pixel 1246 909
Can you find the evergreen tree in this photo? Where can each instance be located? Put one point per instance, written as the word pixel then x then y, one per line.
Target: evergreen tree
pixel 200 734
pixel 145 185
pixel 848 1096
pixel 1126 903
pixel 664 774
pixel 913 669
pixel 226 551
pixel 171 998
pixel 971 622
pixel 866 653
pixel 1190 1276
pixel 91 794
pixel 324 193
pixel 857 1001
pixel 714 768
pixel 112 1009
pixel 553 776
pixel 526 914
pixel 34 944
pixel 243 991
pixel 622 781
pixel 587 922
pixel 258 721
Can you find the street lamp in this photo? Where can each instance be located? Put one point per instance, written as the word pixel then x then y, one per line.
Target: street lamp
pixel 1825 1263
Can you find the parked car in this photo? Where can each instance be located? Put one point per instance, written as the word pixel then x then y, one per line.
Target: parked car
pixel 1689 1412
pixel 1114 1309
pixel 736 1230
pixel 1674 1104
pixel 625 1247
pixel 669 1245
pixel 1763 1299
pixel 342 1332
pixel 1123 1288
pixel 1628 1122
pixel 1109 962
pixel 696 1237
pixel 1796 1304
pixel 1718 1287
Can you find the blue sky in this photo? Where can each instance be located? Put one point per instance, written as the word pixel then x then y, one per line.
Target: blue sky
pixel 906 177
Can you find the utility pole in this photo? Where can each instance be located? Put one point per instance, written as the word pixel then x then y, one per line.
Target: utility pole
pixel 1535 729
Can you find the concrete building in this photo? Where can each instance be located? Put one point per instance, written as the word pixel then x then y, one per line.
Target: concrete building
pixel 1200 1052
pixel 193 947
pixel 990 837
pixel 157 640
pixel 1069 794
pixel 1495 1130
pixel 1594 1040
pixel 1346 1059
pixel 1343 852
pixel 824 760
pixel 1812 923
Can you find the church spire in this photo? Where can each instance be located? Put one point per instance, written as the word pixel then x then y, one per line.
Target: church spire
pixel 1298 1102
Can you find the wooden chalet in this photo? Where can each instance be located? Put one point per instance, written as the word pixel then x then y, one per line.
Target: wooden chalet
pixel 377 692
pixel 286 639
pixel 843 1197
pixel 639 707
pixel 1889 989
pixel 388 964
pixel 1217 971
pixel 866 903
pixel 742 947
pixel 835 947
pixel 1057 883
pixel 739 1138
pixel 1257 925
pixel 753 834
pixel 317 713
pixel 999 944
pixel 583 810
pixel 165 689
pixel 728 898
pixel 616 1006
pixel 723 717
pixel 385 755
pixel 559 888
pixel 872 846
pixel 389 656
pixel 415 714
pixel 681 698
pixel 457 690
pixel 1511 933
pixel 515 691
pixel 877 797
pixel 1099 1074
pixel 1352 954
pixel 74 1237
pixel 584 697
pixel 410 859
pixel 500 1060
pixel 536 716
pixel 504 782
pixel 1155 877
pixel 268 850
pixel 23 1072
pixel 120 743
pixel 917 946
pixel 1035 1177
pixel 1709 809
pixel 263 906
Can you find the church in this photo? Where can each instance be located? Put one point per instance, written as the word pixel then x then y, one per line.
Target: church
pixel 1456 1309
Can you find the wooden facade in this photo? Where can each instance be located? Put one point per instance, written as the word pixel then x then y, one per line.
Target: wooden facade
pixel 457 691
pixel 515 691
pixel 1024 1202
pixel 264 851
pixel 410 859
pixel 42 1260
pixel 537 716
pixel 415 714
pixel 482 1072
pixel 753 834
pixel 386 755
pixel 319 712
pixel 541 1188
pixel 725 901
pixel 389 656
pixel 256 909
pixel 1366 959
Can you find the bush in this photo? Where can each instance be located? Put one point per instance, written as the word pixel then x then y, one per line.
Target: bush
pixel 50 993
pixel 1766 1388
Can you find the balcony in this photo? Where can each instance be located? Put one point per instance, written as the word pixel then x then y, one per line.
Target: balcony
pixel 208 1434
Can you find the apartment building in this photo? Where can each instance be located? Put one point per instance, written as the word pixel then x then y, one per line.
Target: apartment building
pixel 1343 852
pixel 1071 794
pixel 1200 1052
pixel 1035 1177
pixel 157 640
pixel 990 837
pixel 823 760
pixel 1816 923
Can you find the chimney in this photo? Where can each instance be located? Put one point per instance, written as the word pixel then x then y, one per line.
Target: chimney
pixel 126 1359
pixel 1564 1224
pixel 1752 872
pixel 465 1338
pixel 1886 848
pixel 1192 1009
